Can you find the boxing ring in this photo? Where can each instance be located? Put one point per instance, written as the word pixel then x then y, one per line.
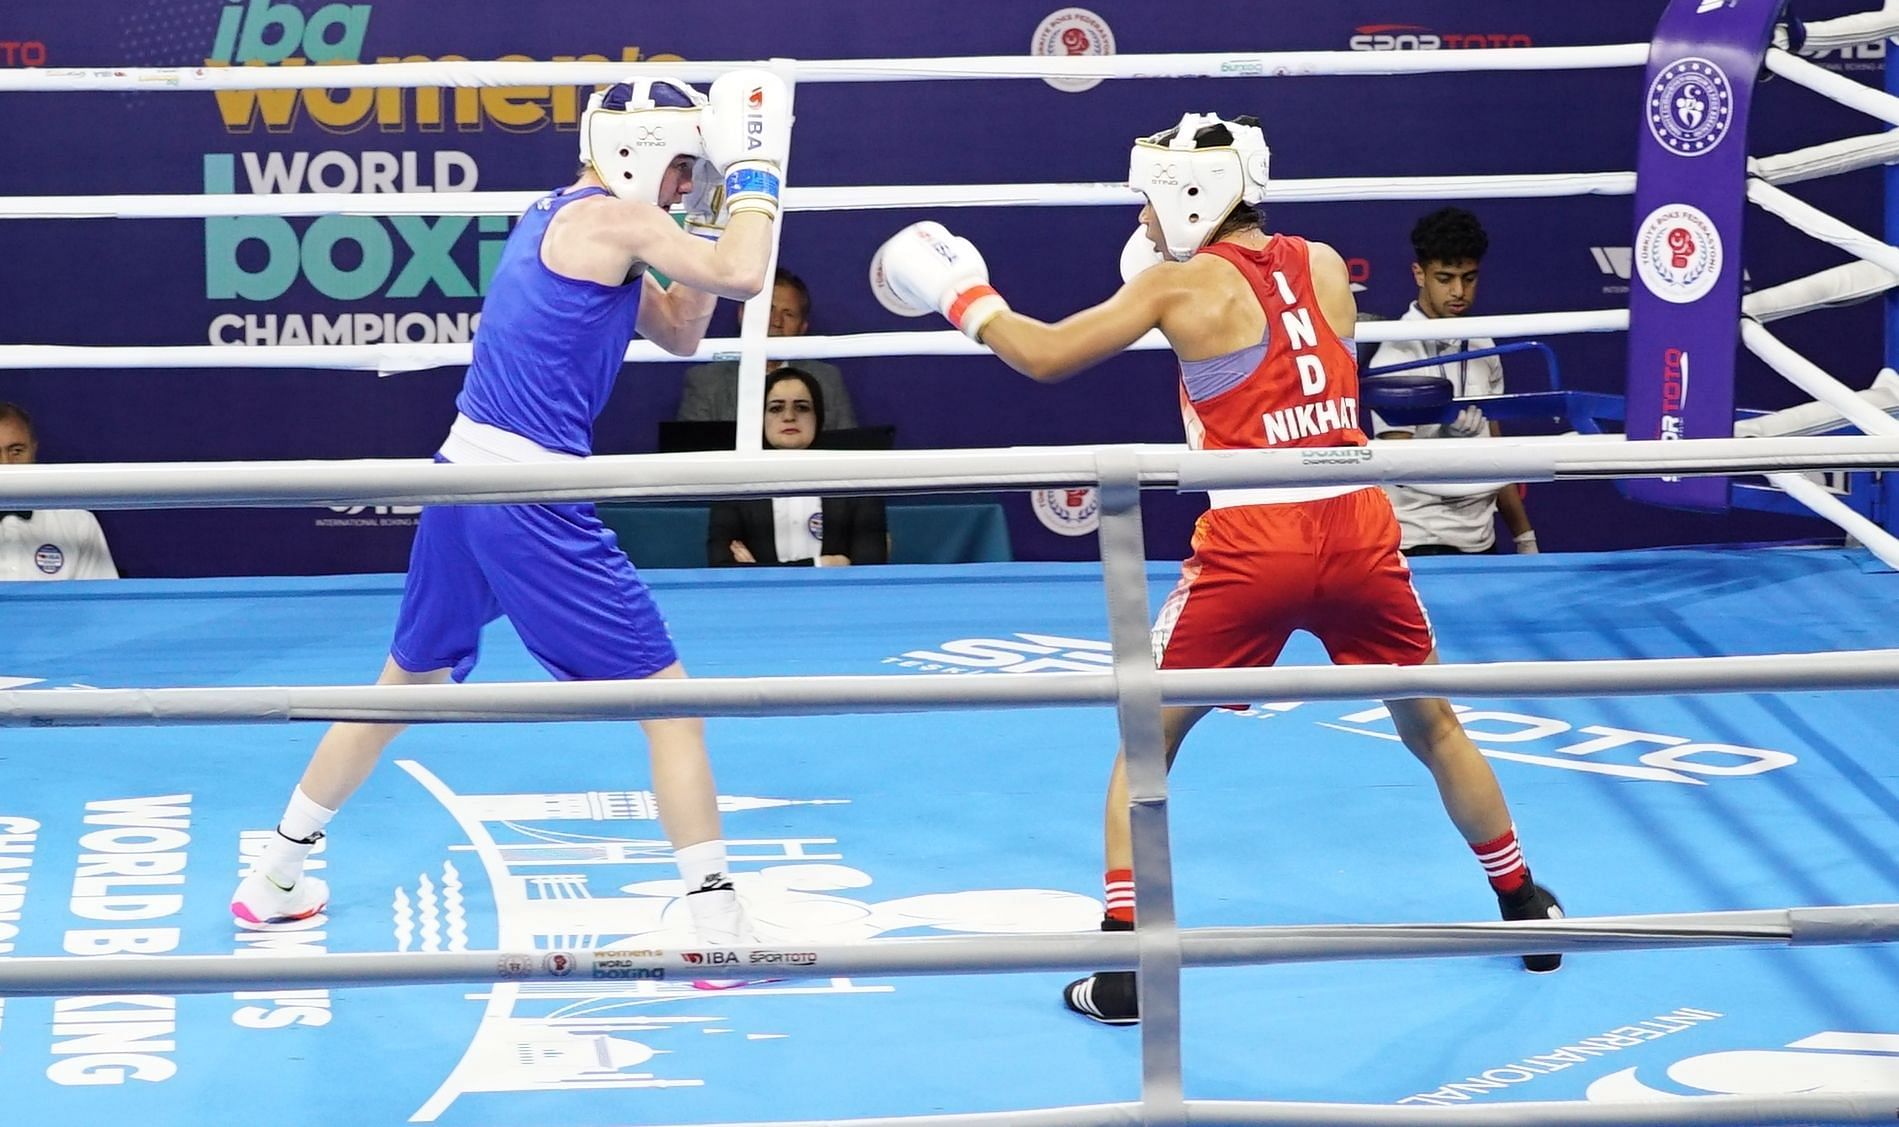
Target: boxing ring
pixel 1720 780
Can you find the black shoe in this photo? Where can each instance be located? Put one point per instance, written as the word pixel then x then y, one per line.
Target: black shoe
pixel 1532 902
pixel 1107 996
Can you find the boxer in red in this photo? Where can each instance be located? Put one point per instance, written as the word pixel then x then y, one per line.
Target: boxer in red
pixel 1262 326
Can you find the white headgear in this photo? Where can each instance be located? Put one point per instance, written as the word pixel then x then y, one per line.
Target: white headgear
pixel 632 131
pixel 1193 188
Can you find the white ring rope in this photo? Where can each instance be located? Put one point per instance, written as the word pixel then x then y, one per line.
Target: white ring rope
pixel 1814 162
pixel 1847 284
pixel 1204 947
pixel 535 701
pixel 1847 92
pixel 1814 380
pixel 863 198
pixel 1848 31
pixel 1809 493
pixel 1811 221
pixel 627 476
pixel 1831 158
pixel 1270 64
pixel 394 358
pixel 1849 154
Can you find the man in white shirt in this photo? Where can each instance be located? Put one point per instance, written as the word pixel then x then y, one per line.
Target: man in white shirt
pixel 1445 520
pixel 45 543
pixel 710 392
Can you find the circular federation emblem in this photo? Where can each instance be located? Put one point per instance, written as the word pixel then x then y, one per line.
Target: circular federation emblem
pixel 1678 253
pixel 1690 106
pixel 1072 31
pixel 1070 512
pixel 49 559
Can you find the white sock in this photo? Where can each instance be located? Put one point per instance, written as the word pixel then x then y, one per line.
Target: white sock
pixel 701 866
pixel 303 824
pixel 304 819
pixel 719 919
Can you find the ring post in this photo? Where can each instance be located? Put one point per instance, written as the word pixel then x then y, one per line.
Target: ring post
pixel 1690 179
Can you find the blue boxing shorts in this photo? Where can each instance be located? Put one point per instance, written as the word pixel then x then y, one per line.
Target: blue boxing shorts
pixel 555 571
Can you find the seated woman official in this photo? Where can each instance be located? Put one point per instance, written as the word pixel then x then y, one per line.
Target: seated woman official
pixel 796 531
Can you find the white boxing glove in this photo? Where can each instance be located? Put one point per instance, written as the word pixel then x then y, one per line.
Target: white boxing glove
pixel 924 267
pixel 1469 423
pixel 747 130
pixel 1138 254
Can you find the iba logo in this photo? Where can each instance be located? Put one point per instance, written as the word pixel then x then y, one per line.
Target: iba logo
pixel 342 259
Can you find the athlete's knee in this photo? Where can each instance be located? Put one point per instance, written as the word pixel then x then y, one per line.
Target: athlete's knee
pixel 1175 724
pixel 1426 724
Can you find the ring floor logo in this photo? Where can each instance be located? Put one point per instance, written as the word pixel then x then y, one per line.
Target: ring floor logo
pixel 1828 1063
pixel 344 258
pixel 551 872
pixel 1516 737
pixel 565 877
pixel 1579 1052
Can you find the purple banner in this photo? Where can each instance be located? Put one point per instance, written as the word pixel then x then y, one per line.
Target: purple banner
pixel 1691 169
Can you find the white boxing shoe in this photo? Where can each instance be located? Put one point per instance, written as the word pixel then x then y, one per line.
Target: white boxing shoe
pixel 719 920
pixel 260 902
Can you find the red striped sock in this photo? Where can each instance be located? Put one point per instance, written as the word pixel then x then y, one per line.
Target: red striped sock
pixel 1502 859
pixel 1119 884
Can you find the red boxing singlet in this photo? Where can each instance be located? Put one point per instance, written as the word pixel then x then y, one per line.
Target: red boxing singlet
pixel 1267 562
pixel 1302 386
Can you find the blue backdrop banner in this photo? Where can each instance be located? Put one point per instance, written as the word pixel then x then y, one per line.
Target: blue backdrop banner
pixel 245 282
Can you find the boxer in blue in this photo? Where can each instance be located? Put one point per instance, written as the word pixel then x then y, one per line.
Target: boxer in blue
pixel 567 296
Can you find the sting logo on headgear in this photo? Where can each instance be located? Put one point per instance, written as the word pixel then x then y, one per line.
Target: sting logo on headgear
pixel 633 130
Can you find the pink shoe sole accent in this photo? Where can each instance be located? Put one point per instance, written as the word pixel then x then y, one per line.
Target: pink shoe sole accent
pixel 243 912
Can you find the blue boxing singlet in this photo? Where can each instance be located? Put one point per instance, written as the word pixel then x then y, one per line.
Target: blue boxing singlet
pixel 548 347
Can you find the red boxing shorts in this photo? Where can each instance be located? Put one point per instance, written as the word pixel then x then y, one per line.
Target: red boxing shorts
pixel 1259 572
